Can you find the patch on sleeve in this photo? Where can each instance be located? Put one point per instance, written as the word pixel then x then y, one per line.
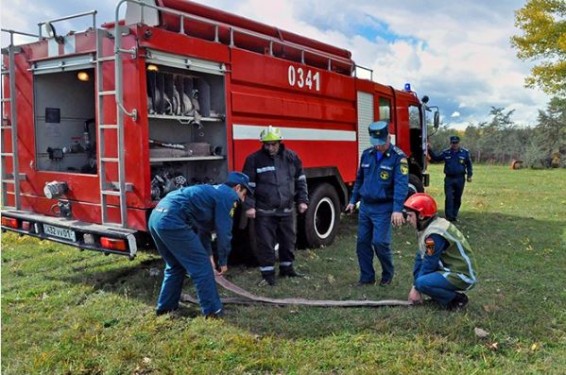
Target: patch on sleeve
pixel 404 166
pixel 429 243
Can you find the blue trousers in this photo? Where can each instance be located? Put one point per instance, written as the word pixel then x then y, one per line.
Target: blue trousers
pixel 184 253
pixel 453 190
pixel 374 235
pixel 436 287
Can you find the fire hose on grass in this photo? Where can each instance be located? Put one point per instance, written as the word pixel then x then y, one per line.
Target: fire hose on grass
pixel 247 298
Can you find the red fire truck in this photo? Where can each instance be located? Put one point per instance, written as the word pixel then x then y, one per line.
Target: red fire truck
pixel 98 125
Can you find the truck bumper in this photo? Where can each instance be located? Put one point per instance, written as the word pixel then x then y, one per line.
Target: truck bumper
pixel 85 236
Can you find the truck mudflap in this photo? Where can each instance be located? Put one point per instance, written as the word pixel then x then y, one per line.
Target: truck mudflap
pixel 85 236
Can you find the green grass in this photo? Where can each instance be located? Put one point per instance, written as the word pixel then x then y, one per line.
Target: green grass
pixel 70 312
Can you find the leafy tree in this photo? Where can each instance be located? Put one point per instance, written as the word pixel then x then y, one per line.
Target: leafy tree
pixel 550 137
pixel 543 23
pixel 497 143
pixel 439 139
pixel 471 141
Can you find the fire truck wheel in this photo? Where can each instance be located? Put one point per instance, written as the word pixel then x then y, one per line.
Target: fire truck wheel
pixel 415 185
pixel 322 218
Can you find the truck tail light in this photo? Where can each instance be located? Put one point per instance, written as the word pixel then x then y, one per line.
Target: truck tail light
pixel 113 243
pixel 10 222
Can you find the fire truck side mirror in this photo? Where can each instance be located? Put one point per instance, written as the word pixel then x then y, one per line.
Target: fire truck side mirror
pixel 52 33
pixel 436 120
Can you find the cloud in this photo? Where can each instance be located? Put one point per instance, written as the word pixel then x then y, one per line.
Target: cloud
pixel 455 53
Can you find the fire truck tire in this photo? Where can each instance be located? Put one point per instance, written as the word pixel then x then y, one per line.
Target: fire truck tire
pixel 323 216
pixel 415 185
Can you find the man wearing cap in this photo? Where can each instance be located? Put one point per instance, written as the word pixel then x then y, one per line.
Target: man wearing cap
pixel 277 175
pixel 382 184
pixel 457 164
pixel 181 227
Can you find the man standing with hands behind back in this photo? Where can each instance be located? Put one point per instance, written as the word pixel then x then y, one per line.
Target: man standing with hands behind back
pixel 382 184
pixel 457 164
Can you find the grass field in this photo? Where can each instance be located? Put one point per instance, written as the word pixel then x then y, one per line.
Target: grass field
pixel 70 312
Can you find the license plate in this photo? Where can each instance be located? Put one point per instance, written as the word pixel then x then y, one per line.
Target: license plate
pixel 67 234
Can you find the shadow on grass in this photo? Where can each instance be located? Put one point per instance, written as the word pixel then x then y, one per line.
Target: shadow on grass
pixel 520 268
pixel 137 279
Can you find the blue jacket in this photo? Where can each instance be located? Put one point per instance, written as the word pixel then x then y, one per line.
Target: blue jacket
pixel 382 181
pixel 456 163
pixel 204 209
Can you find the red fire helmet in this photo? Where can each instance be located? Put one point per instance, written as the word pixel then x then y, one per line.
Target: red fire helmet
pixel 422 203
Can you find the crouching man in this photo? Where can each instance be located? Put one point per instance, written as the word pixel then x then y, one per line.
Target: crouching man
pixel 444 265
pixel 181 226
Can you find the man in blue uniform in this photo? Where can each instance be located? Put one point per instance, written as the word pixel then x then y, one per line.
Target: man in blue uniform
pixel 457 164
pixel 381 185
pixel 444 265
pixel 277 175
pixel 181 227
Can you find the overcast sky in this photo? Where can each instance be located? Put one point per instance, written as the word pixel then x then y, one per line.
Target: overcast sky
pixel 456 52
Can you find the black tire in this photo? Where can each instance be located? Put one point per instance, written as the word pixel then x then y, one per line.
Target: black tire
pixel 415 185
pixel 321 220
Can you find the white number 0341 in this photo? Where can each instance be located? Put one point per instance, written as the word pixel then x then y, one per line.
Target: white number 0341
pixel 302 78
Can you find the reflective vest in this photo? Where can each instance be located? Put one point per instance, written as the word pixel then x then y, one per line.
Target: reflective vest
pixel 456 261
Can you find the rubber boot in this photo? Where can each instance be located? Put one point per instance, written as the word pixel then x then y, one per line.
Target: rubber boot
pixel 269 277
pixel 459 302
pixel 288 271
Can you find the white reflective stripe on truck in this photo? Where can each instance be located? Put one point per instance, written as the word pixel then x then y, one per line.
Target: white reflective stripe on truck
pixel 242 132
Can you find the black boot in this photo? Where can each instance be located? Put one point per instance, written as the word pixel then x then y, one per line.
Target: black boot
pixel 459 302
pixel 215 315
pixel 288 271
pixel 269 277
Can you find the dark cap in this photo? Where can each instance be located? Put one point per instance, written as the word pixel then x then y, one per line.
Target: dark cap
pixel 454 139
pixel 239 178
pixel 378 132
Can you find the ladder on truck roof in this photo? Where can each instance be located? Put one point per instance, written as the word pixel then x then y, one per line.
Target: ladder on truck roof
pixel 145 12
pixel 109 188
pixel 10 125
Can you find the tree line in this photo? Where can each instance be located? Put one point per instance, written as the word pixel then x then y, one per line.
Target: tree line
pixel 542 41
pixel 501 141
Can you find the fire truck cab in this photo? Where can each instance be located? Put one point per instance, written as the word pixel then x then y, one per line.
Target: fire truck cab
pixel 98 125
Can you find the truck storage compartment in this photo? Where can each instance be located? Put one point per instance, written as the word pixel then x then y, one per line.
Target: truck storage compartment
pixel 187 128
pixel 64 112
